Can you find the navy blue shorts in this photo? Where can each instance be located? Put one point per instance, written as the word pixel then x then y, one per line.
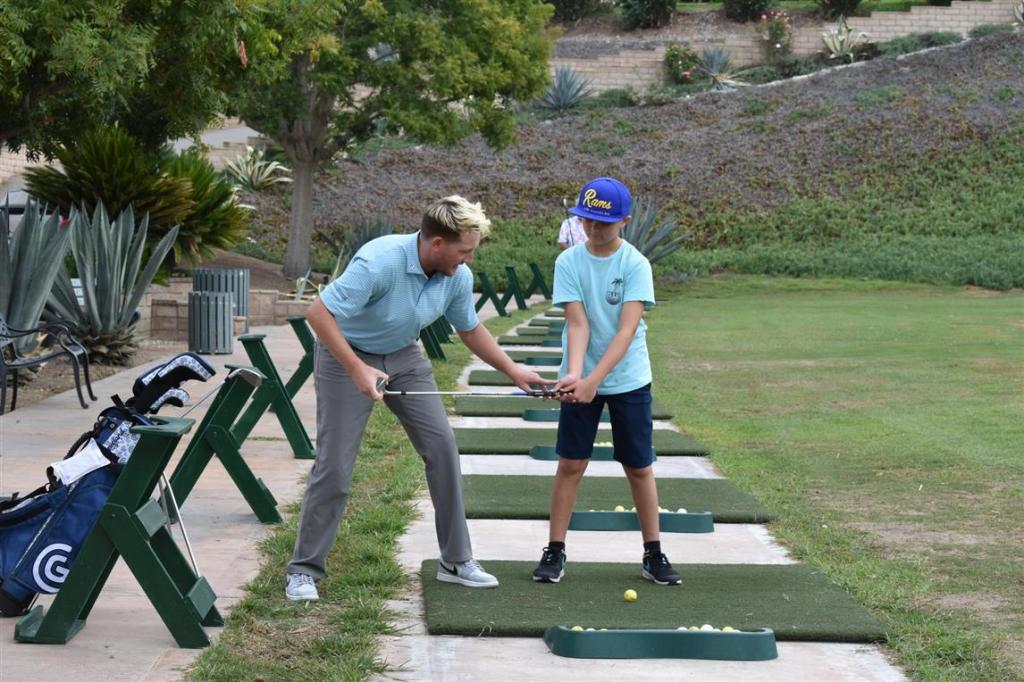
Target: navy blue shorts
pixel 631 427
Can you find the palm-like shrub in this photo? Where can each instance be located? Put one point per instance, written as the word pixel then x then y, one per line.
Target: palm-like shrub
pixel 716 64
pixel 29 263
pixel 111 168
pixel 568 90
pixel 214 219
pixel 108 258
pixel 652 237
pixel 253 172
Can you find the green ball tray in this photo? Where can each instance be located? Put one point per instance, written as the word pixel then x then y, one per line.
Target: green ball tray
pixel 544 362
pixel 602 453
pixel 550 414
pixel 744 645
pixel 668 522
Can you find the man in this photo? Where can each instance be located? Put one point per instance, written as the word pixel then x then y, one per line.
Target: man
pixel 367 322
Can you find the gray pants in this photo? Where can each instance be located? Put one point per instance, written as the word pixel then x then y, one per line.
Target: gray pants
pixel 341 416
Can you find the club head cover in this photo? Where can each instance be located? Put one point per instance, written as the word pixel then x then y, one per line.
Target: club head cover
pixel 149 387
pixel 175 396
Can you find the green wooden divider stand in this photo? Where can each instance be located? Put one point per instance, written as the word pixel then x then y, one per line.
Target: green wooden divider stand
pixel 305 368
pixel 214 437
pixel 270 392
pixel 514 290
pixel 132 525
pixel 537 283
pixel 488 293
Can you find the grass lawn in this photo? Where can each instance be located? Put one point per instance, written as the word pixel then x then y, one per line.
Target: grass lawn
pixel 882 424
pixel 269 638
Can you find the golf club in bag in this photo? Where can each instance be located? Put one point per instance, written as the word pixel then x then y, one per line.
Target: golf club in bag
pixel 42 532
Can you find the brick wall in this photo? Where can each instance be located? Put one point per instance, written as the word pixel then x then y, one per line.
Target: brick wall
pixel 639 63
pixel 164 310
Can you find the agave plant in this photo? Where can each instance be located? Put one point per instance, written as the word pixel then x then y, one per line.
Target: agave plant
pixel 653 239
pixel 108 257
pixel 841 41
pixel 254 173
pixel 29 263
pixel 568 90
pixel 356 237
pixel 716 64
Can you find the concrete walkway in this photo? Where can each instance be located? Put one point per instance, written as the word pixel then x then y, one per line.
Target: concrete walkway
pixel 124 638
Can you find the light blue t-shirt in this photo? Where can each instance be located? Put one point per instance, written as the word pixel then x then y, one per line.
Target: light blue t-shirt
pixel 383 299
pixel 603 285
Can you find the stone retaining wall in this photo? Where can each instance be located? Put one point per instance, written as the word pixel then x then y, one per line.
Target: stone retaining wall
pixel 639 63
pixel 164 310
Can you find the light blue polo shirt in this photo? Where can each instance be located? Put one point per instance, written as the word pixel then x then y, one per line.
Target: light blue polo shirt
pixel 383 299
pixel 603 284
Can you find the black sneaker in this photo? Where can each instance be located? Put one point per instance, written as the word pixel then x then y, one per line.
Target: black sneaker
pixel 659 570
pixel 551 567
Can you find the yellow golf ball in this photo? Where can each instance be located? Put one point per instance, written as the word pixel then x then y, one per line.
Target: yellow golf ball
pixel 578 628
pixel 728 628
pixel 619 508
pixel 629 595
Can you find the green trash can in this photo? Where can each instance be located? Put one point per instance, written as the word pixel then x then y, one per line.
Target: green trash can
pixel 226 280
pixel 210 322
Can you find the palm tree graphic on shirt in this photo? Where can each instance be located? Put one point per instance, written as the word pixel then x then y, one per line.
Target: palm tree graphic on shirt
pixel 614 293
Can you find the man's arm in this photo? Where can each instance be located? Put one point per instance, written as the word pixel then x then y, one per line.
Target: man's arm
pixel 585 389
pixel 326 328
pixel 480 341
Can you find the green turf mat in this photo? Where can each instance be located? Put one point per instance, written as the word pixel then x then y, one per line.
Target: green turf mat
pixel 798 602
pixel 543 362
pixel 529 497
pixel 558 322
pixel 600 453
pixel 555 312
pixel 514 406
pixel 519 441
pixel 521 355
pixel 492 377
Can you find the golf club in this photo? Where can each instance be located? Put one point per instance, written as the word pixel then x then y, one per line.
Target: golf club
pixel 537 393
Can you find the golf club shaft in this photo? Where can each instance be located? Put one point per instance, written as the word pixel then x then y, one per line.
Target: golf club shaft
pixel 477 394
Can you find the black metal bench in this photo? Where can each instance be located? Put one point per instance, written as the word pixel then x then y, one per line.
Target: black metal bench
pixel 60 342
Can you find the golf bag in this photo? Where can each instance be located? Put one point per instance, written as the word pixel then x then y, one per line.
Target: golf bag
pixel 42 532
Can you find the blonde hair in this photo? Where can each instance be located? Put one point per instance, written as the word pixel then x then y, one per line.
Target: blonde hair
pixel 453 216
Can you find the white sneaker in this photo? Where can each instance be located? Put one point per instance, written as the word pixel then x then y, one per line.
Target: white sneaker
pixel 301 587
pixel 467 573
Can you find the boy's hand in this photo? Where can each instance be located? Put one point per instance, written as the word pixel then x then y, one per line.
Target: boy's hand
pixel 583 391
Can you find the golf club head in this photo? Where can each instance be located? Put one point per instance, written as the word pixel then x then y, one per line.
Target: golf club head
pixel 248 375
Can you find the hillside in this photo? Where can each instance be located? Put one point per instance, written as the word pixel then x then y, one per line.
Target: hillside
pixel 723 160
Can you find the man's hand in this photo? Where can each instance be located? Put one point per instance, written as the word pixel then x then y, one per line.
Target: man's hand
pixel 527 378
pixel 367 378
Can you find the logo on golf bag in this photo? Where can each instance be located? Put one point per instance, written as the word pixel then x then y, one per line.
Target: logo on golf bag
pixel 53 561
pixel 614 293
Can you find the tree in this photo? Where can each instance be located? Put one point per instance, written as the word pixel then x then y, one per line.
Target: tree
pixel 324 74
pixel 156 68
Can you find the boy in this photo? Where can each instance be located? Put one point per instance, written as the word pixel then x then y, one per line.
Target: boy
pixel 604 285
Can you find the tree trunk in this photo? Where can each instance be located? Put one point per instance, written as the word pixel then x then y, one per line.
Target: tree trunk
pixel 296 260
